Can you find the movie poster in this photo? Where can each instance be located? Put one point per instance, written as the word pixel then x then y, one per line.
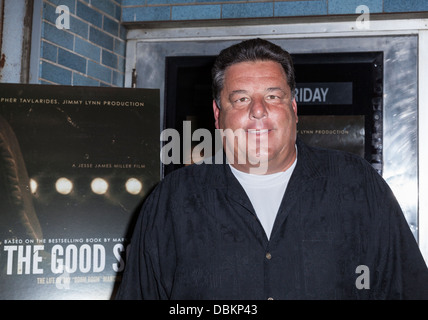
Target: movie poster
pixel 75 166
pixel 340 132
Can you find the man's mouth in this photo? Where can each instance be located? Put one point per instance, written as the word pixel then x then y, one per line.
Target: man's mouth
pixel 258 131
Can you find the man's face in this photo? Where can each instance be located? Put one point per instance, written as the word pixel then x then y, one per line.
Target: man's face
pixel 256 105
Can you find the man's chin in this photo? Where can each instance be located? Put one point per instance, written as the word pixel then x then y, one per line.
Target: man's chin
pixel 258 164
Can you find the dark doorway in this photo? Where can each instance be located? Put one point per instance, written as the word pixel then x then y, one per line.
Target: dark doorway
pixel 188 96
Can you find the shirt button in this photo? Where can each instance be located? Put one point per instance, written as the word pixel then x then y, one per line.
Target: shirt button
pixel 268 256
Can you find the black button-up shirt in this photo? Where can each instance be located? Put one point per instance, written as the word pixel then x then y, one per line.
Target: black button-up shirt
pixel 198 237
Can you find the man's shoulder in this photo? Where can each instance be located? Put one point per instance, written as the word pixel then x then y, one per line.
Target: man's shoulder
pixel 336 162
pixel 326 154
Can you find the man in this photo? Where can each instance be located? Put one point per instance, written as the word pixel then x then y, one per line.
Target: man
pixel 288 222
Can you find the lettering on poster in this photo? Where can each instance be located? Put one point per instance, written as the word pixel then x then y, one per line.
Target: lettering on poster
pixel 64 261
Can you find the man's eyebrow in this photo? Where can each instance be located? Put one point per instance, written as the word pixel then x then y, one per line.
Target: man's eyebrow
pixel 275 89
pixel 237 92
pixel 242 91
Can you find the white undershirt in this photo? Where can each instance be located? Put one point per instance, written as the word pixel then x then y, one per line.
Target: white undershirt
pixel 265 193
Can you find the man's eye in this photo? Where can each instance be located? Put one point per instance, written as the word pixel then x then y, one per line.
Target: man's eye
pixel 272 97
pixel 241 102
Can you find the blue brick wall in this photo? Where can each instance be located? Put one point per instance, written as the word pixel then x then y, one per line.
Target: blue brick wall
pixel 178 10
pixel 91 52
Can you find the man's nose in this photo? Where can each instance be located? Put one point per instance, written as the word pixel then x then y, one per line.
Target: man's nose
pixel 258 109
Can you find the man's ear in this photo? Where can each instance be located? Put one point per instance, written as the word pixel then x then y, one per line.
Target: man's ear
pixel 294 106
pixel 216 111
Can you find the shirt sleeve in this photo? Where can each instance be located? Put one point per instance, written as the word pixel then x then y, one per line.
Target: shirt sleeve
pixel 398 269
pixel 150 262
